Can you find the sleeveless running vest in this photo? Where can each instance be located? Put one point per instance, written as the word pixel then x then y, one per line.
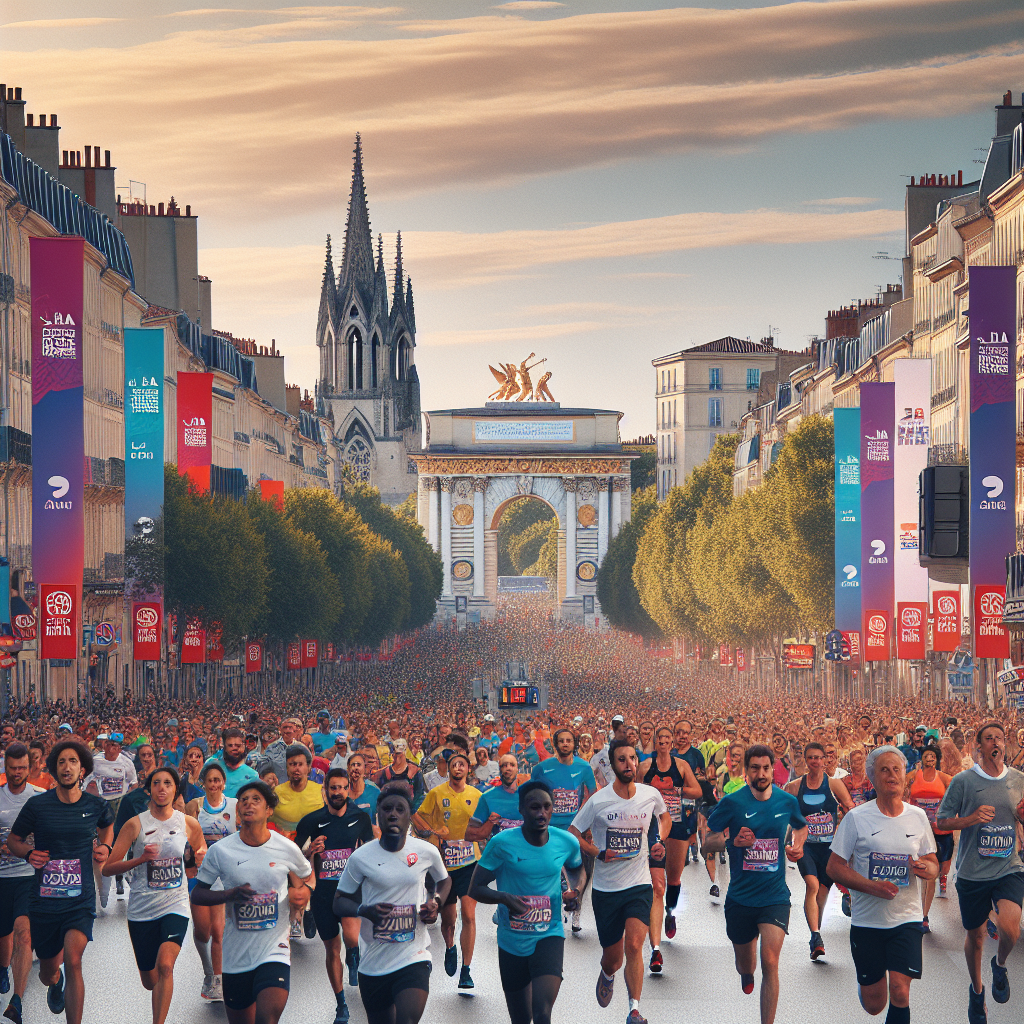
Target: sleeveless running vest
pixel 158 886
pixel 928 795
pixel 669 784
pixel 217 822
pixel 820 809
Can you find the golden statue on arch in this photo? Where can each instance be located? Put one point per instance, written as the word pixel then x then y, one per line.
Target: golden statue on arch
pixel 516 384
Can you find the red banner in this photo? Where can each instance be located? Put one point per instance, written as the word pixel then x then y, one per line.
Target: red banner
pixel 195 428
pixel 58 621
pixel 946 623
pixel 331 653
pixel 253 656
pixel 295 655
pixel 741 659
pixel 310 653
pixel 215 644
pixel 991 640
pixel 146 631
pixel 798 655
pixel 911 628
pixel 25 626
pixel 273 490
pixel 852 637
pixel 878 641
pixel 193 645
pixel 724 655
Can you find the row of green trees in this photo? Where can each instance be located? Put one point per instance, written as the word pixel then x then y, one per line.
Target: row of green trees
pixel 351 570
pixel 718 569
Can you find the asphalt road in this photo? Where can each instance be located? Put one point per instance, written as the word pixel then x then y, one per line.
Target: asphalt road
pixel 699 983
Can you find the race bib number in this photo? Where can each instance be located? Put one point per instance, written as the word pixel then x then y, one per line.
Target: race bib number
pixel 820 827
pixel 673 803
pixel 762 856
pixel 61 879
pixel 457 853
pixel 623 843
pixel 332 864
pixel 929 807
pixel 536 919
pixel 996 840
pixel 164 873
pixel 398 926
pixel 7 860
pixel 889 867
pixel 504 823
pixel 258 915
pixel 111 785
pixel 566 801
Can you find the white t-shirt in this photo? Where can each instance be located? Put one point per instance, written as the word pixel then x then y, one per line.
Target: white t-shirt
pixel 841 773
pixel 602 767
pixel 620 826
pixel 113 778
pixel 10 806
pixel 433 779
pixel 256 933
pixel 396 878
pixel 484 773
pixel 879 847
pixel 340 761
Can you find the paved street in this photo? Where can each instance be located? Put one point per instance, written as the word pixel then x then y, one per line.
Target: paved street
pixel 699 983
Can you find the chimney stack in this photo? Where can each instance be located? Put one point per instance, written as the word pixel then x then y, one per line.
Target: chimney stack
pixel 31 122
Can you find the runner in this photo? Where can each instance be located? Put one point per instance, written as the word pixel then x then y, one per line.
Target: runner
pixel 623 817
pixel 673 778
pixel 232 757
pixel 926 786
pixel 259 869
pixel 297 796
pixel 113 775
pixel 601 761
pixel 498 806
pixel 757 901
pixel 445 813
pixel 984 805
pixel 324 736
pixel 151 846
pixel 820 798
pixel 683 734
pixel 362 793
pixel 527 863
pixel 64 823
pixel 874 856
pixel 335 831
pixel 16 880
pixel 402 770
pixel 384 883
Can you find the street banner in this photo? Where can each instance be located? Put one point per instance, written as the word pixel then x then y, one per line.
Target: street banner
pixel 993 451
pixel 273 491
pixel 310 653
pixel 945 620
pixel 990 639
pixel 852 637
pixel 847 496
pixel 215 643
pixel 877 426
pixel 193 645
pixel 913 388
pixel 798 655
pixel 911 630
pixel 254 656
pixel 6 626
pixel 195 428
pixel 294 660
pixel 741 659
pixel 57 273
pixel 146 630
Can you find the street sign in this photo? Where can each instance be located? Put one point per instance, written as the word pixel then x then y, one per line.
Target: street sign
pixel 104 634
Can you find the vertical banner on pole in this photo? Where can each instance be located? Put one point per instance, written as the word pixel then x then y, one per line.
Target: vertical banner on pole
pixel 993 451
pixel 253 656
pixel 58 441
pixel 273 491
pixel 195 428
pixel 294 656
pixel 847 542
pixel 877 426
pixel 945 620
pixel 310 653
pixel 146 630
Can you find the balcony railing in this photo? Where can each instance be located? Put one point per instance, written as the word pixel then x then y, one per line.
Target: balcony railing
pixel 943 396
pixel 948 455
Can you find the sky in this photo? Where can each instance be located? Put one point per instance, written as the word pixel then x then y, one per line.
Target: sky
pixel 597 181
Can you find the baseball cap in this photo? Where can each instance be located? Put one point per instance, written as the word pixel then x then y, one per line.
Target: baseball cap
pixel 474 732
pixel 323 714
pixel 617 718
pixel 400 744
pixel 172 721
pixel 920 728
pixel 102 736
pixel 116 737
pixel 63 726
pixel 488 718
pixel 578 718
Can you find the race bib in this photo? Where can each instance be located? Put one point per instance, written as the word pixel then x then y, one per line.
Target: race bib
pixel 504 823
pixel 996 840
pixel 61 879
pixel 7 860
pixel 332 864
pixel 762 856
pixel 536 919
pixel 820 827
pixel 457 853
pixel 259 915
pixel 111 785
pixel 623 843
pixel 398 926
pixel 673 803
pixel 929 806
pixel 889 867
pixel 164 873
pixel 566 801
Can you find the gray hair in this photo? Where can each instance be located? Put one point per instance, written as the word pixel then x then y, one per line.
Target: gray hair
pixel 875 754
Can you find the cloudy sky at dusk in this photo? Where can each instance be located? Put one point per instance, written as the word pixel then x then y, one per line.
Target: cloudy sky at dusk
pixel 599 181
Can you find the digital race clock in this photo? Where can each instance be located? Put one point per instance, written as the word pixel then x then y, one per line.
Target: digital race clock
pixel 513 697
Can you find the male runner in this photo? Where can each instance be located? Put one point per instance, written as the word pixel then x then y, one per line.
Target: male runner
pixel 336 830
pixel 446 813
pixel 601 761
pixel 683 734
pixel 402 769
pixel 16 881
pixel 820 798
pixel 384 883
pixel 323 737
pixel 527 863
pixel 64 822
pixel 498 806
pixel 362 793
pixel 880 862
pixel 673 778
pixel 624 818
pixel 260 869
pixel 113 776
pixel 758 817
pixel 232 756
pixel 297 796
pixel 984 805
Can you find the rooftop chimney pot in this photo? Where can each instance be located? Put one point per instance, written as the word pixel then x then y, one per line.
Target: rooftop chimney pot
pixel 106 158
pixel 1008 99
pixel 53 120
pixel 31 122
pixel 160 210
pixel 188 211
pixel 17 92
pixel 96 155
pixel 88 156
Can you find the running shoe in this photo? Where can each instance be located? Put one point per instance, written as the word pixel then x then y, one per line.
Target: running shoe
pixel 925 926
pixel 657 961
pixel 993 931
pixel 817 946
pixel 747 983
pixel 604 989
pixel 341 1013
pixel 576 926
pixel 976 1012
pixel 670 925
pixel 1000 983
pixel 104 896
pixel 451 961
pixel 5 980
pixel 120 885
pixel 942 887
pixel 352 962
pixel 845 904
pixel 217 989
pixel 716 896
pixel 207 990
pixel 13 1011
pixel 635 1018
pixel 55 995
pixel 295 932
pixel 308 924
pixel 465 979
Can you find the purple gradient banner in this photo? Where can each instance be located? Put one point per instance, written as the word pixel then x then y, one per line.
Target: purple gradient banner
pixel 877 427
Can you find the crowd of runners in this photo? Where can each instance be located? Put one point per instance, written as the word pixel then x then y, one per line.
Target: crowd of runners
pixel 376 811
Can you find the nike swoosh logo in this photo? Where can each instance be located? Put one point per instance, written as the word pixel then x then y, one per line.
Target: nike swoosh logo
pixel 909 836
pixel 782 815
pixel 750 815
pixel 876 833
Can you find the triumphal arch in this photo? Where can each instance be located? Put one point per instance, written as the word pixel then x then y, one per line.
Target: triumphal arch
pixel 475 461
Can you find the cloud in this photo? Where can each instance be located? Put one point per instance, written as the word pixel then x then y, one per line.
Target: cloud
pixel 500 335
pixel 841 201
pixel 62 23
pixel 528 5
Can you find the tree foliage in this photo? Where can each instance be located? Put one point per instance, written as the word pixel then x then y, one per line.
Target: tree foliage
pixel 547 557
pixel 643 473
pixel 519 515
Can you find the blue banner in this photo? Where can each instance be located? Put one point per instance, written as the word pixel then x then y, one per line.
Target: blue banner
pixel 847 492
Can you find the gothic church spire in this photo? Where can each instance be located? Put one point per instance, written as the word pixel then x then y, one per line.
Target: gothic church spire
pixel 357 259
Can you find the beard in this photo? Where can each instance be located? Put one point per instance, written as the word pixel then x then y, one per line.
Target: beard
pixel 233 760
pixel 624 777
pixel 337 802
pixel 761 784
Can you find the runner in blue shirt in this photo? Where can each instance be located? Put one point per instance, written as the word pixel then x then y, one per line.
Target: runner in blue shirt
pixel 757 904
pixel 498 808
pixel 527 863
pixel 323 738
pixel 570 778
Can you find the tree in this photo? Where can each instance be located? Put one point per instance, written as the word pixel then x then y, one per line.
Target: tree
pixel 389 582
pixel 643 473
pixel 547 558
pixel 407 508
pixel 518 516
pixel 524 548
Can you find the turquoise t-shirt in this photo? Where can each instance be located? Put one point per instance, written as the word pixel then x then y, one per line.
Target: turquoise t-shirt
pixel 567 783
pixel 757 874
pixel 498 798
pixel 234 778
pixel 367 800
pixel 535 873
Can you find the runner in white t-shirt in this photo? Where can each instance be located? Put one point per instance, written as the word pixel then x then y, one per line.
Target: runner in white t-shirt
pixel 880 861
pixel 113 775
pixel 384 883
pixel 263 874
